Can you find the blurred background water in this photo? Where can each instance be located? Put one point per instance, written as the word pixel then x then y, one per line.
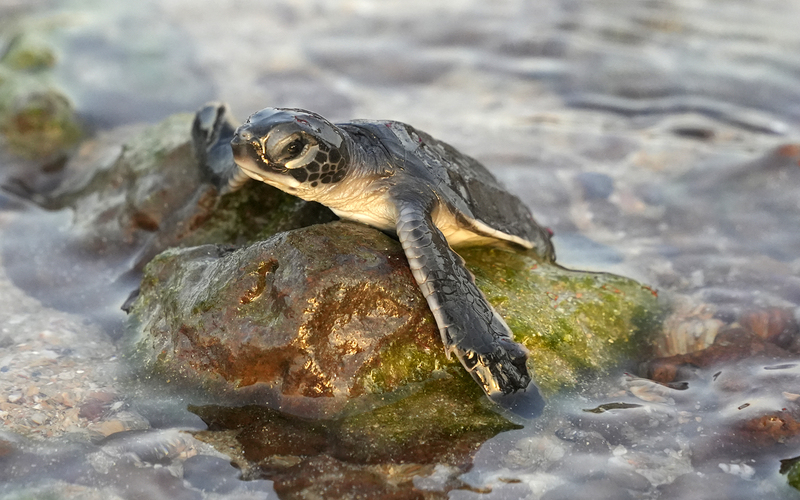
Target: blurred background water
pixel 658 139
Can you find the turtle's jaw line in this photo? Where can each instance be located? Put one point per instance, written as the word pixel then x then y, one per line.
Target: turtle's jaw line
pixel 252 169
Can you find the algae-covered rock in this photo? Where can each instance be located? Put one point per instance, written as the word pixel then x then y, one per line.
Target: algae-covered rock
pixel 313 319
pixel 37 118
pixel 793 474
pixel 573 322
pixel 29 52
pixel 442 422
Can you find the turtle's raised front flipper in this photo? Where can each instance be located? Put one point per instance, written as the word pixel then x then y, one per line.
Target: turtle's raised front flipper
pixel 469 325
pixel 212 131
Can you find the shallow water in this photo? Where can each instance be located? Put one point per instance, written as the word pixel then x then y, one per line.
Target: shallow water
pixel 659 140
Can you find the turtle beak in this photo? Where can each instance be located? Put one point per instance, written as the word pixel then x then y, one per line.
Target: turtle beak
pixel 248 153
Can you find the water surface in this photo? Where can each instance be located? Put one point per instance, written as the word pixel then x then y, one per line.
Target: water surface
pixel 659 140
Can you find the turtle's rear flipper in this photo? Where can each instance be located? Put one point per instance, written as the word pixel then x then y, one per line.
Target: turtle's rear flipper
pixel 212 131
pixel 469 326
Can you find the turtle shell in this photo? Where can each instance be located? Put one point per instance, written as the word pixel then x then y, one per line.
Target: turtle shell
pixel 473 196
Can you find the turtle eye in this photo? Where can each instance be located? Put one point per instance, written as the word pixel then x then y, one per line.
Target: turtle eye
pixel 293 149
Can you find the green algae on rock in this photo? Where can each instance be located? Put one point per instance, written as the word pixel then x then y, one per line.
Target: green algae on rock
pixel 29 52
pixel 572 322
pixel 36 123
pixel 791 467
pixel 37 118
pixel 444 421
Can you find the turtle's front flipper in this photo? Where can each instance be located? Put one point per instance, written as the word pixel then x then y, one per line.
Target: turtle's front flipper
pixel 212 131
pixel 469 325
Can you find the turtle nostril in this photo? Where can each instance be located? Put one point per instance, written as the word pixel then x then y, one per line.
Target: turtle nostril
pixel 242 141
pixel 242 137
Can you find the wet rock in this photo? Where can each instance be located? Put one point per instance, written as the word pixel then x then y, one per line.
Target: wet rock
pixel 261 433
pixel 776 325
pixel 6 447
pixel 120 423
pixel 302 457
pixel 731 344
pixel 313 318
pixel 411 430
pixel 39 125
pixel 305 320
pixel 539 452
pixel 38 418
pixel 326 477
pixel 690 327
pixel 442 423
pixel 124 204
pixel 148 446
pixel 583 441
pixel 779 427
pixel 28 52
pixel 791 467
pixel 96 405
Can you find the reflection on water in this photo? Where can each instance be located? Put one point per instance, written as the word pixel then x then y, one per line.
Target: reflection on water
pixel 660 140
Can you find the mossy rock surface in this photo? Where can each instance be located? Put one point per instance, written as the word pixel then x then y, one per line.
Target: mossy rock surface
pixel 574 323
pixel 793 476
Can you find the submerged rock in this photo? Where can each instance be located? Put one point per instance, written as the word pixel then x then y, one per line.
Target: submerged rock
pixel 409 430
pixel 377 453
pixel 791 467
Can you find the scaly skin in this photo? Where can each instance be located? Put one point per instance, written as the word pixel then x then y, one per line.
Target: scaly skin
pixel 468 324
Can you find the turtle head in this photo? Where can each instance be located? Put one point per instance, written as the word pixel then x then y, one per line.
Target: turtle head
pixel 292 149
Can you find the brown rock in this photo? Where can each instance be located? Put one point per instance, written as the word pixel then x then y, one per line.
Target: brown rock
pixel 774 324
pixel 326 477
pixel 732 344
pixel 95 405
pixel 279 320
pixel 770 429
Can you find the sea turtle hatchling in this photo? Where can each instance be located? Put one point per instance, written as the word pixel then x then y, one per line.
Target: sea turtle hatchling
pixel 400 180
